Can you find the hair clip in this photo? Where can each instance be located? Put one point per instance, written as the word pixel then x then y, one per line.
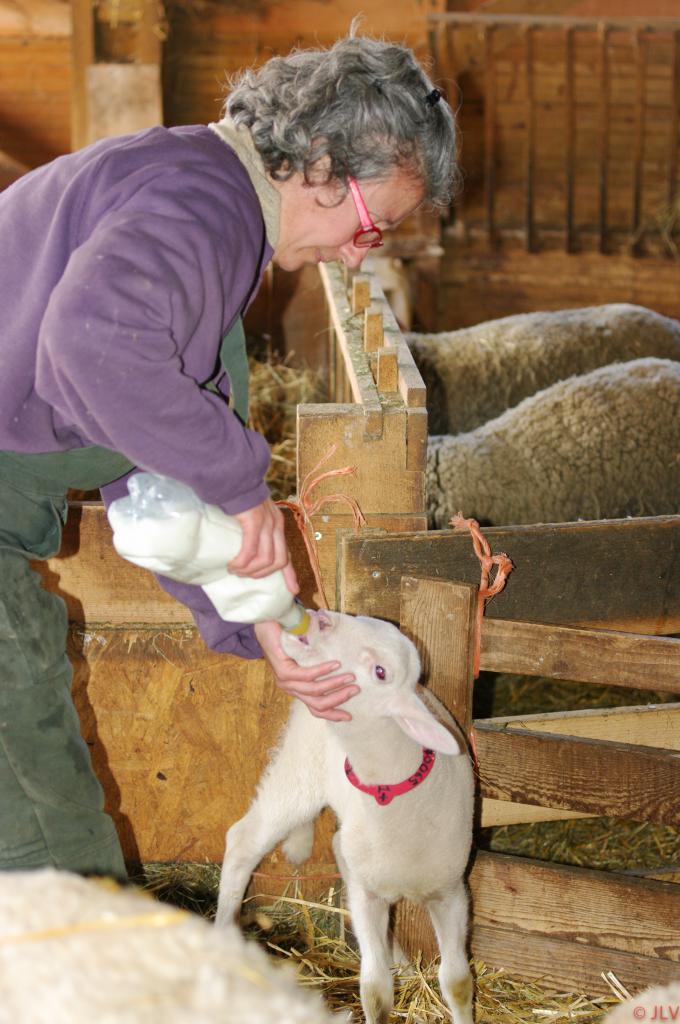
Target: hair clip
pixel 433 98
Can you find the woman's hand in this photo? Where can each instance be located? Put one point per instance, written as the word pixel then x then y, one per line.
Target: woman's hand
pixel 263 549
pixel 314 686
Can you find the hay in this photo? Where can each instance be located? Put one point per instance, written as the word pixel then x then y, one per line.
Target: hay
pixel 314 936
pixel 276 390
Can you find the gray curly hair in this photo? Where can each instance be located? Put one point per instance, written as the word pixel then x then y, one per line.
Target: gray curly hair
pixel 365 104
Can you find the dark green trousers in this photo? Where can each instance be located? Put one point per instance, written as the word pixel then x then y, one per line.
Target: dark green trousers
pixel 51 803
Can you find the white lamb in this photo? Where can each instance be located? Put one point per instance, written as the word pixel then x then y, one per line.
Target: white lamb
pixel 408 836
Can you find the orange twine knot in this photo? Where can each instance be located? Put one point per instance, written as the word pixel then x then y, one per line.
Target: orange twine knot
pixel 486 590
pixel 303 508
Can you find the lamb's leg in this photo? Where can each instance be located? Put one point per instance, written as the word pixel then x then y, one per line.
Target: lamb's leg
pixel 370 924
pixel 289 796
pixel 449 917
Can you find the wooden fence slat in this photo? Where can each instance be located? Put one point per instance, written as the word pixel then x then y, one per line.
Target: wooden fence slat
pixel 581 655
pixel 593 776
pixel 570 139
pixel 490 100
pixel 674 120
pixel 640 52
pixel 601 909
pixel 439 618
pixel 567 573
pixel 563 924
pixel 603 172
pixel 530 114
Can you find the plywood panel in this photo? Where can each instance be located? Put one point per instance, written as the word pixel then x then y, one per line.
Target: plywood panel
pixel 178 734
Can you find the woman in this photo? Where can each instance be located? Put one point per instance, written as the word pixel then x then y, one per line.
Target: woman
pixel 127 268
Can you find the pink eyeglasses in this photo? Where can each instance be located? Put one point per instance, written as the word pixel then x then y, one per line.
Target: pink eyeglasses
pixel 368 236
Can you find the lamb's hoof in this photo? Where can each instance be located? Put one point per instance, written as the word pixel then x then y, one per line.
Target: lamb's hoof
pixel 376 1008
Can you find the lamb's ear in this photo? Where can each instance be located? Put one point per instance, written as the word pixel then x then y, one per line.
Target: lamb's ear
pixel 418 722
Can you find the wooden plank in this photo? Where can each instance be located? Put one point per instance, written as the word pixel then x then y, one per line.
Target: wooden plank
pixel 505 812
pixel 373 328
pixel 439 618
pixel 583 23
pixel 653 726
pixel 561 924
pixel 171 727
pixel 566 573
pixel 490 100
pixel 570 139
pixel 674 120
pixel 577 774
pixel 384 481
pixel 640 52
pixel 122 98
pixel 656 725
pixel 530 137
pixel 603 36
pixel 583 655
pixel 349 342
pixel 100 587
pixel 82 56
pixel 387 375
pixel 567 966
pixel 97 584
pixel 603 909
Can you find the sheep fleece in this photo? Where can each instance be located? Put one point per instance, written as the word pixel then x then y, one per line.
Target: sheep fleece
pixel 476 373
pixel 604 445
pixel 76 951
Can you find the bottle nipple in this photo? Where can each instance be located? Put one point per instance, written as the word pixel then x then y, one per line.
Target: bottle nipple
pixel 296 621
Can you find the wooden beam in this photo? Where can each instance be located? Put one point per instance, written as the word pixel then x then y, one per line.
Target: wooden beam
pixel 82 56
pixel 583 655
pixel 592 776
pixel 604 87
pixel 564 925
pixel 656 725
pixel 439 618
pixel 565 573
pixel 570 139
pixel 640 53
pixel 490 103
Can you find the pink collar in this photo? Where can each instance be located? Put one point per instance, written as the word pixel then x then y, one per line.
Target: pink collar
pixel 384 794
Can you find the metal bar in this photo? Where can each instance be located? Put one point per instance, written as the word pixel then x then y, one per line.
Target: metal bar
pixel 530 139
pixel 570 137
pixel 603 38
pixel 490 133
pixel 640 54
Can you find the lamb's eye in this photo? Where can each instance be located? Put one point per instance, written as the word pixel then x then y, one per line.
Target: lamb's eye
pixel 380 672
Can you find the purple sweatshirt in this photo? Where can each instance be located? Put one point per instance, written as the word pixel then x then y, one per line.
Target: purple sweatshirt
pixel 122 266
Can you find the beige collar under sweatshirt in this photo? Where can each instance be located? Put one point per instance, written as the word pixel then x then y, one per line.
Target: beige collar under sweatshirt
pixel 240 140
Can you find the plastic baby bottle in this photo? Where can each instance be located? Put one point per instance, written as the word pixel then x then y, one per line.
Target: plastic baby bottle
pixel 165 527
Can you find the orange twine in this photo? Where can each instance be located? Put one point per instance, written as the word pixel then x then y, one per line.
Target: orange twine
pixel 486 590
pixel 303 508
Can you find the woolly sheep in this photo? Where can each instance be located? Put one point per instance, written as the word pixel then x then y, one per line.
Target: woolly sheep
pixel 415 845
pixel 661 1003
pixel 76 951
pixel 476 373
pixel 600 446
